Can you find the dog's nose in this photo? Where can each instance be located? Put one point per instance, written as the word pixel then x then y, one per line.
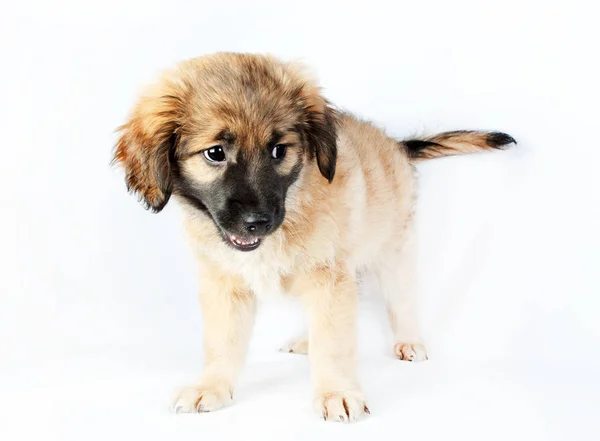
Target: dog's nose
pixel 257 223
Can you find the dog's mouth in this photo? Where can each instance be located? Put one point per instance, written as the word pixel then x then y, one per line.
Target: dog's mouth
pixel 243 243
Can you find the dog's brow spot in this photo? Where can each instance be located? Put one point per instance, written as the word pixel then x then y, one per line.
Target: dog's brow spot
pixel 226 136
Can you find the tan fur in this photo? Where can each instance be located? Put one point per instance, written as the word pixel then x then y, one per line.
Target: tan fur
pixel 331 232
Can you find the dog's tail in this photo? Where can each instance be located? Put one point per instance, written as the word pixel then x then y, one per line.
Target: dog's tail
pixel 455 143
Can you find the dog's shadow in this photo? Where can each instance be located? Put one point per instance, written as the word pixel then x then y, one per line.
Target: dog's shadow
pixel 289 371
pixel 388 383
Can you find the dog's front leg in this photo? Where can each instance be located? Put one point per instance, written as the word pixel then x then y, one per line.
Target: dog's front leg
pixel 330 298
pixel 228 308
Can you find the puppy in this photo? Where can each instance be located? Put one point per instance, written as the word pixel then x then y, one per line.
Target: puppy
pixel 282 193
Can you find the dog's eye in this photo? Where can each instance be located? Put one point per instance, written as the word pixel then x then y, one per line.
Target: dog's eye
pixel 278 151
pixel 214 154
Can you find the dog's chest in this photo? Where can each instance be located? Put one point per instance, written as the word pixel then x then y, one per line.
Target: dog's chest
pixel 262 270
pixel 265 284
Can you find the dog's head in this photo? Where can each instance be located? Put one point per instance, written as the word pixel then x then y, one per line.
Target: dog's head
pixel 228 133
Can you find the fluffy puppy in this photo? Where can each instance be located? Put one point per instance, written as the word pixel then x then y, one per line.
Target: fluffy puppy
pixel 282 194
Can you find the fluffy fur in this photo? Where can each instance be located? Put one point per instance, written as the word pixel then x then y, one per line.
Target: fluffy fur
pixel 340 201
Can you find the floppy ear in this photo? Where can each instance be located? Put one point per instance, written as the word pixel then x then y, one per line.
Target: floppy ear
pixel 321 125
pixel 322 136
pixel 146 145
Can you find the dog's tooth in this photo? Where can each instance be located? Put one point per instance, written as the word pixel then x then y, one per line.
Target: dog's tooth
pixel 244 242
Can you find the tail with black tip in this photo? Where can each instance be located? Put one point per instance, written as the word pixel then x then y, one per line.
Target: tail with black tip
pixel 460 142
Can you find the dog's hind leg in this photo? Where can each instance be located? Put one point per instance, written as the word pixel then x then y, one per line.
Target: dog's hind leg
pixel 298 345
pixel 397 278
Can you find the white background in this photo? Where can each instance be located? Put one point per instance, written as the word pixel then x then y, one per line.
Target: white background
pixel 99 321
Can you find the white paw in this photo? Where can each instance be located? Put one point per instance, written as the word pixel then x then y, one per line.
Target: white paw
pixel 296 346
pixel 196 399
pixel 343 407
pixel 410 352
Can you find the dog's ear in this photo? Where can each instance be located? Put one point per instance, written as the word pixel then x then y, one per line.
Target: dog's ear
pixel 147 141
pixel 322 136
pixel 321 121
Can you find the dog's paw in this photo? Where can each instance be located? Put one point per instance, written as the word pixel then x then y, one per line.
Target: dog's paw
pixel 296 346
pixel 410 352
pixel 196 399
pixel 343 407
